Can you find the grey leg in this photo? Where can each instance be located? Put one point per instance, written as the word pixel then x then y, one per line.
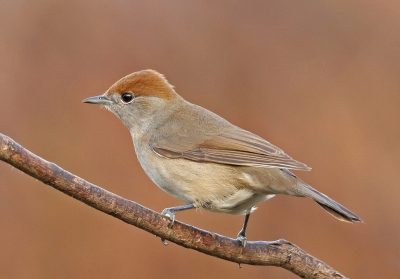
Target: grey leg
pixel 170 212
pixel 242 234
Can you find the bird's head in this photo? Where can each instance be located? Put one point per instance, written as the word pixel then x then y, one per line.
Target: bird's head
pixel 138 97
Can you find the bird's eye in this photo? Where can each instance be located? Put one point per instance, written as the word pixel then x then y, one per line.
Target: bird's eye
pixel 127 97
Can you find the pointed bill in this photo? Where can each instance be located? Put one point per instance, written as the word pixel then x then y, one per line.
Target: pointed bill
pixel 98 100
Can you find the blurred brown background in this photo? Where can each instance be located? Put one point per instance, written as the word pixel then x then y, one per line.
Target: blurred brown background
pixel 320 79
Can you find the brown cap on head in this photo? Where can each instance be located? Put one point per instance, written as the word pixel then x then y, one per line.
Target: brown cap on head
pixel 144 83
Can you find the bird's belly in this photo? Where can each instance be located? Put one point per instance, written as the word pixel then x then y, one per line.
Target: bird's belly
pixel 214 187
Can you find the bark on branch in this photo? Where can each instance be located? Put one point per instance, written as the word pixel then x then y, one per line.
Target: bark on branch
pixel 283 254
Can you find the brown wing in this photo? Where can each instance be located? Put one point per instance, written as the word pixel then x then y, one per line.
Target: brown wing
pixel 234 146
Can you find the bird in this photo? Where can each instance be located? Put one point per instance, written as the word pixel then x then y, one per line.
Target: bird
pixel 201 158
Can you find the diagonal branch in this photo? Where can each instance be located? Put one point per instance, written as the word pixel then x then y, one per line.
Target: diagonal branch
pixel 280 253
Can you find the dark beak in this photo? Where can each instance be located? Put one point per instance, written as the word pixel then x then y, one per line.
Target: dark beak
pixel 98 100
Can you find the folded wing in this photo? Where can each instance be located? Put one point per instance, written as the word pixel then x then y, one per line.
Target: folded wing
pixel 234 146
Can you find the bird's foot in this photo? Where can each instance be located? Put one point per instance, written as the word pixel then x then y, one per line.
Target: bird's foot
pixel 242 239
pixel 171 215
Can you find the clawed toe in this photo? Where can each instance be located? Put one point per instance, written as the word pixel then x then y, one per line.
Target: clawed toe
pixel 164 242
pixel 242 239
pixel 170 214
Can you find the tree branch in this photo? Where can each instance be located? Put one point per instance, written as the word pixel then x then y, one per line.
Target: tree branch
pixel 280 253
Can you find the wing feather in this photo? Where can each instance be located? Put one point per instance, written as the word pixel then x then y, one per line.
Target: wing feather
pixel 234 146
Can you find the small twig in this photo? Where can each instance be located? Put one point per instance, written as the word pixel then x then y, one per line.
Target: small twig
pixel 280 253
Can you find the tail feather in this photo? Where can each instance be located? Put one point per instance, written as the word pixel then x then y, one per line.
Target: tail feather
pixel 349 216
pixel 334 208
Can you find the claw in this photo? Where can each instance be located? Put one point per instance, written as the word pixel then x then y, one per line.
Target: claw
pixel 242 239
pixel 170 214
pixel 164 242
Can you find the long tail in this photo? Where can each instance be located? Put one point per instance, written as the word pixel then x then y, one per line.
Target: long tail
pixel 332 207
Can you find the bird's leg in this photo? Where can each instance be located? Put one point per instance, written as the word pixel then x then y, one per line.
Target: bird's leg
pixel 242 234
pixel 170 213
